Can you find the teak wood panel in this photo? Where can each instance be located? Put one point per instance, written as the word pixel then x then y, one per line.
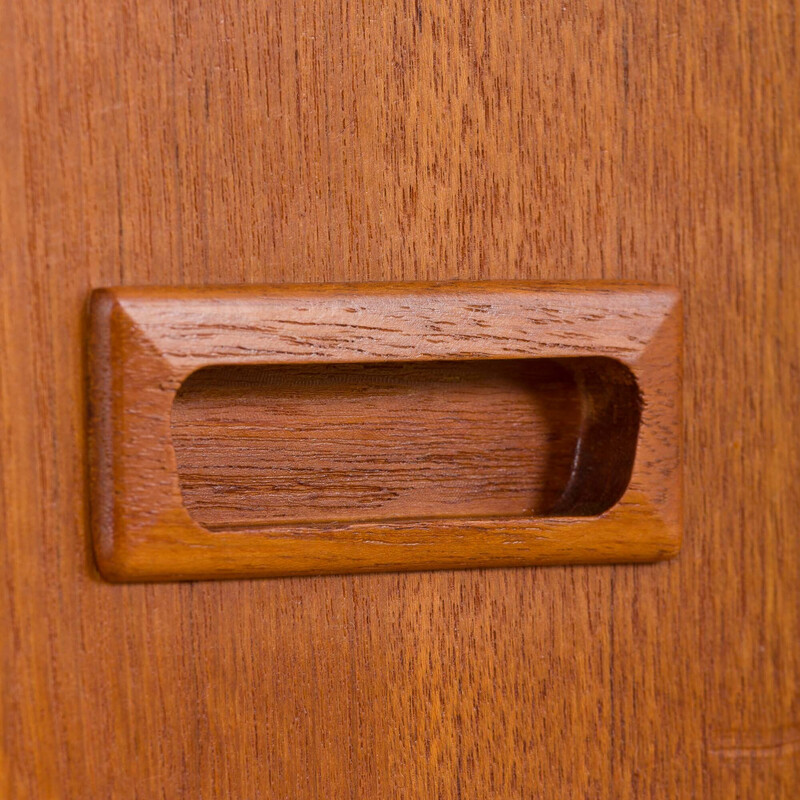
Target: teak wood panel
pixel 145 343
pixel 242 142
pixel 276 443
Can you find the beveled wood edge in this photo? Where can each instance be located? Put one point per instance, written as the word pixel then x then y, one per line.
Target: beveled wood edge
pixel 169 545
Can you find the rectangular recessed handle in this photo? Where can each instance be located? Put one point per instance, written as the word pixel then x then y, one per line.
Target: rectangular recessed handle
pixel 285 430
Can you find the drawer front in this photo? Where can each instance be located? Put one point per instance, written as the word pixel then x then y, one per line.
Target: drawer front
pixel 242 142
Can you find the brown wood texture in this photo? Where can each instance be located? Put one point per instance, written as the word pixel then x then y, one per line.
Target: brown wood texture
pixel 398 440
pixel 237 141
pixel 620 342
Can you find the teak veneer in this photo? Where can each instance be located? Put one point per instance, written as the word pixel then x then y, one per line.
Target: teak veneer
pixel 264 444
pixel 240 142
pixel 450 372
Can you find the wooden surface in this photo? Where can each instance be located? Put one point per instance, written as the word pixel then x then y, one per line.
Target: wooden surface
pixel 253 142
pixel 621 343
pixel 399 440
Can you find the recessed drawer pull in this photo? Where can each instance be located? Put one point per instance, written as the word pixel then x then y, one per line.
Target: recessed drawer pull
pixel 288 430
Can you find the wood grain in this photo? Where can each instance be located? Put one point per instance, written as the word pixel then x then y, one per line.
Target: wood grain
pixel 243 142
pixel 374 441
pixel 620 342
